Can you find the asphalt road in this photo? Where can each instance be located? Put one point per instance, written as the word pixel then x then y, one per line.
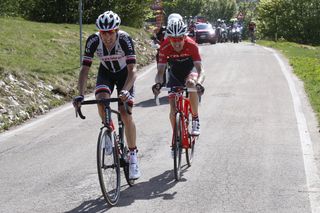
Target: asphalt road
pixel 257 151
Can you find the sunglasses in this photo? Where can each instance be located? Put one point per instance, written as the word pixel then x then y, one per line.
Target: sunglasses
pixel 108 32
pixel 176 39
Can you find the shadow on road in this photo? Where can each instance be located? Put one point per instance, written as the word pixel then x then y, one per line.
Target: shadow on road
pixel 152 102
pixel 154 188
pixel 96 205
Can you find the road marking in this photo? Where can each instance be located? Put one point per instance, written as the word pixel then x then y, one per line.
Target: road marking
pixel 53 113
pixel 13 132
pixel 147 71
pixel 310 166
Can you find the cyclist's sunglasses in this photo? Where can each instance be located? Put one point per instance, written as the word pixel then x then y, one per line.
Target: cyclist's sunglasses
pixel 176 39
pixel 108 32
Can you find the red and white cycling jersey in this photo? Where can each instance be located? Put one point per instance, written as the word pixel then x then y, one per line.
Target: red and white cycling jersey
pixel 181 63
pixel 122 53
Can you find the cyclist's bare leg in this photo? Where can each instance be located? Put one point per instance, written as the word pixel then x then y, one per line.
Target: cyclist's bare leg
pixel 130 127
pixel 194 100
pixel 193 96
pixel 101 109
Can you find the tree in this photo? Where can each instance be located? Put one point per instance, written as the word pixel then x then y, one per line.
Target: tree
pixel 294 20
pixel 9 8
pixel 183 7
pixel 223 9
pixel 132 13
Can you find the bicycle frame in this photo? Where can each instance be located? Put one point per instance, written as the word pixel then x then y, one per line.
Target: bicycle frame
pixel 182 104
pixel 108 111
pixel 111 128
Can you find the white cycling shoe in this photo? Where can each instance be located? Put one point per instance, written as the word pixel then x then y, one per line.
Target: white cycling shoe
pixel 134 172
pixel 195 127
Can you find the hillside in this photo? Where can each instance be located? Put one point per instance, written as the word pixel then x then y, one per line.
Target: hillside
pixel 39 66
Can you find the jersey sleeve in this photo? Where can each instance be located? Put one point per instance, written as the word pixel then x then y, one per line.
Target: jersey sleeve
pixel 128 47
pixel 163 52
pixel 195 54
pixel 90 48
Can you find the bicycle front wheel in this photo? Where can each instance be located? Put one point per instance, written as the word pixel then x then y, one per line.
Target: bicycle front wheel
pixel 108 166
pixel 191 141
pixel 177 147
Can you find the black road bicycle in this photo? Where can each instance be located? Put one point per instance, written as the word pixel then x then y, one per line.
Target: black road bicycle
pixel 112 152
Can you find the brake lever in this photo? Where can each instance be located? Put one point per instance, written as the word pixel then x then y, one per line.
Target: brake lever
pixel 80 113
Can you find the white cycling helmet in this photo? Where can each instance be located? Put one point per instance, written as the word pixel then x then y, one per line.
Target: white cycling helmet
pixel 108 21
pixel 176 28
pixel 174 16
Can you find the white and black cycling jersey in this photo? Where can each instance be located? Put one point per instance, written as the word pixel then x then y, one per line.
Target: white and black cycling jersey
pixel 121 54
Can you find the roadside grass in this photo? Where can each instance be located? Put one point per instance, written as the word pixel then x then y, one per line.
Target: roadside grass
pixel 40 62
pixel 45 48
pixel 52 51
pixel 305 61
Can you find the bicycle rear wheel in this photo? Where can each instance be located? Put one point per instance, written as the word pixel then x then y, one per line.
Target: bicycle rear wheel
pixel 177 147
pixel 191 141
pixel 108 166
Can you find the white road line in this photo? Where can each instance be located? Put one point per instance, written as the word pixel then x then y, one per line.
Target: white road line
pixel 67 106
pixel 146 72
pixel 312 178
pixel 13 132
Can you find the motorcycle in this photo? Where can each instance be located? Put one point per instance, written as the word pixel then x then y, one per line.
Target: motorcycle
pixel 236 34
pixel 252 36
pixel 224 35
pixel 218 33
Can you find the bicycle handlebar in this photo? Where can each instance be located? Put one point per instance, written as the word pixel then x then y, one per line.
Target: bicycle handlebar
pixel 102 101
pixel 179 89
pixel 174 89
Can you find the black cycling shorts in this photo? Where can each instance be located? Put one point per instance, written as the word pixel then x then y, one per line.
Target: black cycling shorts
pixel 106 81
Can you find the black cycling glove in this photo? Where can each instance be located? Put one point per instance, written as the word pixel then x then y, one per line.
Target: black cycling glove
pixel 156 88
pixel 78 99
pixel 200 89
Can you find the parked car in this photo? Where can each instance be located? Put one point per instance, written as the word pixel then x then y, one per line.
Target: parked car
pixel 205 33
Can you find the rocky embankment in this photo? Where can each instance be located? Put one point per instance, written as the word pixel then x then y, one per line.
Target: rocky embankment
pixel 25 94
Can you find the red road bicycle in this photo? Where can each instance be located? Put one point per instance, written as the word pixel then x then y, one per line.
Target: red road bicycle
pixel 182 138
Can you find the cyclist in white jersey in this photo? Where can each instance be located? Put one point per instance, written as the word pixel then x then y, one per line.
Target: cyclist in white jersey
pixel 117 56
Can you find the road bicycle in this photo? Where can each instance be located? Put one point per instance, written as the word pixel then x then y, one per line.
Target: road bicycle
pixel 112 152
pixel 182 140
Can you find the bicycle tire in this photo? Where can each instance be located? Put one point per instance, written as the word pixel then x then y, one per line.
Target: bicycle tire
pixel 177 147
pixel 108 166
pixel 125 158
pixel 191 141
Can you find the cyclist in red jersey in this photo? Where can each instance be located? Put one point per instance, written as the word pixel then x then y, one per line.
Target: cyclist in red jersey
pixel 182 55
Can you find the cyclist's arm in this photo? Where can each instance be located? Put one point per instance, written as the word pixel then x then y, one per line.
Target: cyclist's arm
pixel 83 76
pixel 132 75
pixel 91 46
pixel 127 45
pixel 198 65
pixel 200 70
pixel 161 70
